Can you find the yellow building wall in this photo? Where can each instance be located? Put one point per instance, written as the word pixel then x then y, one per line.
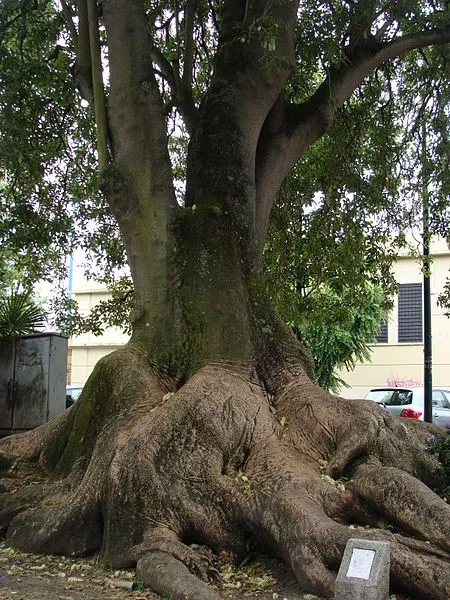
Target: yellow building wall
pixel 390 362
pixel 87 349
pixel 401 362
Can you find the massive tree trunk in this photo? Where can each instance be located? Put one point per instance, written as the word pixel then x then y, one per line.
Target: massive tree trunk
pixel 206 429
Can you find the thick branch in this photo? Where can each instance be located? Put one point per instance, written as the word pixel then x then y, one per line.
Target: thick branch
pixel 249 74
pixel 84 70
pixel 101 120
pixel 136 110
pixel 191 6
pixel 231 17
pixel 182 94
pixel 367 60
pixel 288 131
pixel 139 183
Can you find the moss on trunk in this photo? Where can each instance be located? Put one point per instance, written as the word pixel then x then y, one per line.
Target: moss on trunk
pixel 156 471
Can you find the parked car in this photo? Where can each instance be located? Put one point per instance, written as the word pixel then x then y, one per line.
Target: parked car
pixel 73 392
pixel 408 402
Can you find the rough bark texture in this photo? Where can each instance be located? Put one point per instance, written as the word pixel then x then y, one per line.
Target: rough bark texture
pixel 145 475
pixel 206 429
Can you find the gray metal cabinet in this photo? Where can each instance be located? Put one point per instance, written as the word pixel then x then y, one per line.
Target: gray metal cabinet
pixel 33 371
pixel 6 383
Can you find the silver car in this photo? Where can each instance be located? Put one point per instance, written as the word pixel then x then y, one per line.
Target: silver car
pixel 409 402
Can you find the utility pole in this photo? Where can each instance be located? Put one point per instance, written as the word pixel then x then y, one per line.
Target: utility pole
pixel 427 341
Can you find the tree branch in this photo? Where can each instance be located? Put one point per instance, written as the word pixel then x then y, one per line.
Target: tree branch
pixel 141 175
pixel 83 73
pixel 101 120
pixel 341 83
pixel 191 6
pixel 165 66
pixel 70 24
pixel 182 94
pixel 288 131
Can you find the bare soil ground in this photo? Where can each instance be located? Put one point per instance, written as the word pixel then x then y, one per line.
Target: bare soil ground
pixel 45 577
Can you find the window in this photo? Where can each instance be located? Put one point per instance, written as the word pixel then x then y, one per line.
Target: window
pixel 440 399
pixel 446 394
pixel 410 313
pixel 399 398
pixel 391 397
pixel 382 335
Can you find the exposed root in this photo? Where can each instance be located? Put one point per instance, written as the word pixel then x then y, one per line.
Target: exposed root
pixel 221 464
pixel 169 577
pixel 417 568
pixel 73 528
pixel 198 563
pixel 15 503
pixel 36 444
pixel 406 502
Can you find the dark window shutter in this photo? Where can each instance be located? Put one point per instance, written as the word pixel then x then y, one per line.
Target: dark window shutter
pixel 382 335
pixel 410 313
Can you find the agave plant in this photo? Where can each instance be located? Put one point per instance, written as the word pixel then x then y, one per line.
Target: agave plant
pixel 19 314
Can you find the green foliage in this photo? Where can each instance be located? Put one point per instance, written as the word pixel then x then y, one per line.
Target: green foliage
pixel 332 237
pixel 338 329
pixel 9 271
pixel 338 222
pixel 440 447
pixel 138 585
pixel 48 189
pixel 19 315
pixel 444 298
pixel 116 311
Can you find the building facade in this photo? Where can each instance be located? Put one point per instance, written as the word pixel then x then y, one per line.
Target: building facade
pixel 397 357
pixel 86 349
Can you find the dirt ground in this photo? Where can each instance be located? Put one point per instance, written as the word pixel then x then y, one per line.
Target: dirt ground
pixel 45 577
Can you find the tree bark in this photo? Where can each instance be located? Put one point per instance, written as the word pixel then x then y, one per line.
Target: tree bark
pixel 207 429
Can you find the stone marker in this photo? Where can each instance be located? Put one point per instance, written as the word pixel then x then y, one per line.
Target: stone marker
pixel 364 571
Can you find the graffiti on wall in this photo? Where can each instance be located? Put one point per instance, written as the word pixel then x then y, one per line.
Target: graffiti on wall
pixel 401 382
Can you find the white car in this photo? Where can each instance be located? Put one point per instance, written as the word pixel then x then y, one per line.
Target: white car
pixel 409 402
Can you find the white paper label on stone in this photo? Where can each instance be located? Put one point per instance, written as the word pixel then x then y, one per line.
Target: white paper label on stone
pixel 360 563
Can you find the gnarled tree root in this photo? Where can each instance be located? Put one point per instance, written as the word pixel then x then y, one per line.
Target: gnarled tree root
pixel 167 575
pixel 221 463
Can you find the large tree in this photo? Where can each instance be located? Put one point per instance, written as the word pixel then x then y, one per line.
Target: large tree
pixel 206 428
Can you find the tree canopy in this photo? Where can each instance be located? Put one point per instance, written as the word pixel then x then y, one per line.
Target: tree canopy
pixel 352 178
pixel 193 129
pixel 337 220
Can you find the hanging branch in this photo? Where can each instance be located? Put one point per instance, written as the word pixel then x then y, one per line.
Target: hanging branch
pixel 97 84
pixel 191 6
pixel 84 68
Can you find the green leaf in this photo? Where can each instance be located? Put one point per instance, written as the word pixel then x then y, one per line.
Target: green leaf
pixel 19 315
